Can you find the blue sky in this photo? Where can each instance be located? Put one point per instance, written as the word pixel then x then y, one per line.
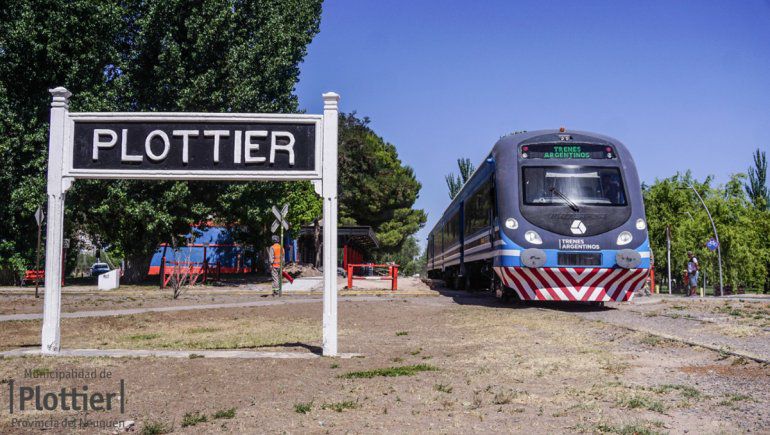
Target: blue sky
pixel 684 84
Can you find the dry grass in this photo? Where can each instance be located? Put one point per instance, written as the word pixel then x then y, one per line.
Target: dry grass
pixel 735 330
pixel 234 334
pixel 161 331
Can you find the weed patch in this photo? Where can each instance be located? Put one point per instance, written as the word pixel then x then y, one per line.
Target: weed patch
pixel 143 337
pixel 686 390
pixel 156 428
pixel 303 408
pixel 193 418
pixel 443 388
pixel 504 397
pixel 733 399
pixel 635 402
pixel 652 340
pixel 340 406
pixel 225 413
pixel 630 429
pixel 390 372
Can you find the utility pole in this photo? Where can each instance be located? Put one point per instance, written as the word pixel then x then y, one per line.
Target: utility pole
pixel 668 255
pixel 39 218
pixel 716 236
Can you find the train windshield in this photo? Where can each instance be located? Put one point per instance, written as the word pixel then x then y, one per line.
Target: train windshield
pixel 573 185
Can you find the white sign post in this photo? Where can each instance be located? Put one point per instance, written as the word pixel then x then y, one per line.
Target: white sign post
pixel 189 146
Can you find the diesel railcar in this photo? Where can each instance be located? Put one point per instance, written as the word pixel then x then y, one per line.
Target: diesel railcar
pixel 550 215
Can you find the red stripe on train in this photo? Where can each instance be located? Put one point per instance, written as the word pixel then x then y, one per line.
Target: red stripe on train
pixel 573 284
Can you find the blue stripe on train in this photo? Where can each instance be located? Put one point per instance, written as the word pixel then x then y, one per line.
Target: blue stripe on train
pixel 506 258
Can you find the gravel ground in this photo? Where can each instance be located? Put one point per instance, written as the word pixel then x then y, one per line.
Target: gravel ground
pixel 476 366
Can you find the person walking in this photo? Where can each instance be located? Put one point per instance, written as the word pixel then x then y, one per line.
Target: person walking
pixel 275 254
pixel 692 273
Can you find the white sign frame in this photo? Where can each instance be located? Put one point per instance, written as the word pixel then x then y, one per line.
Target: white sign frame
pixel 61 175
pixel 192 174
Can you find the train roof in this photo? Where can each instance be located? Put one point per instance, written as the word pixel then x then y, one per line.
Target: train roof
pixel 554 135
pixel 536 136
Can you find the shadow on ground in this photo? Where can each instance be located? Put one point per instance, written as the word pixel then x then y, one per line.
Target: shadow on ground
pixel 486 298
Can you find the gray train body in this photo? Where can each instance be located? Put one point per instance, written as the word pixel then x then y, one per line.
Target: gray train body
pixel 548 215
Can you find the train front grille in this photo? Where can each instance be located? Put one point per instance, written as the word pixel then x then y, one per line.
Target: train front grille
pixel 580 258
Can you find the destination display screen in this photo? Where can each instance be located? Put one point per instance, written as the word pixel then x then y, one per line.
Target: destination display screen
pixel 567 151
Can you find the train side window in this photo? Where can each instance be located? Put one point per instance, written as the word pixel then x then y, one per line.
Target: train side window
pixel 452 230
pixel 478 209
pixel 493 199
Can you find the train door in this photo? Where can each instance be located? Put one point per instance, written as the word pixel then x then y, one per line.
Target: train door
pixel 431 253
pixel 461 237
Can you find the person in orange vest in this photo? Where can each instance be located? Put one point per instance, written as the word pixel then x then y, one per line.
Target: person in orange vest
pixel 275 254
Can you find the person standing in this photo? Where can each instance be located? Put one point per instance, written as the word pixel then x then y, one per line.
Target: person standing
pixel 692 273
pixel 275 254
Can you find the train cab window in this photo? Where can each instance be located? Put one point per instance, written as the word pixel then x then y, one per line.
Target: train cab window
pixel 602 186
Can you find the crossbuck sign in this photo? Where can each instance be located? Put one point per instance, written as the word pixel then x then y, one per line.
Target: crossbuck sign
pixel 189 146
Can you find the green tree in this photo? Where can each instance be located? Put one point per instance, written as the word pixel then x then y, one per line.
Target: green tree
pixel 456 182
pixel 756 187
pixel 742 229
pixel 176 55
pixel 43 44
pixel 407 257
pixel 376 189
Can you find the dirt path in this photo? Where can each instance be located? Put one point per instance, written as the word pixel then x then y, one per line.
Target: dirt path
pixel 455 363
pixel 744 341
pixel 173 308
pixel 21 300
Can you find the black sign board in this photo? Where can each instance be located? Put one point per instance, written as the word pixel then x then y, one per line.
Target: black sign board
pixel 241 146
pixel 567 151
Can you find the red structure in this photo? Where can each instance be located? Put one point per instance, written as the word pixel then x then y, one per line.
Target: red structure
pixel 356 244
pixel 392 275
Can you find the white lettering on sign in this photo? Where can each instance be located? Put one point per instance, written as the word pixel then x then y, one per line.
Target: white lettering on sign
pixel 124 155
pixel 253 146
pixel 185 134
pixel 289 147
pixel 577 244
pixel 245 144
pixel 98 133
pixel 148 145
pixel 237 147
pixel 216 134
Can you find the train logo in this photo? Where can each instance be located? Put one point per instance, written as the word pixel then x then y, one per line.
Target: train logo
pixel 578 227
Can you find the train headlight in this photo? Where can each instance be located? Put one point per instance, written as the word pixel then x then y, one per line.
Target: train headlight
pixel 511 223
pixel 641 224
pixel 624 238
pixel 533 237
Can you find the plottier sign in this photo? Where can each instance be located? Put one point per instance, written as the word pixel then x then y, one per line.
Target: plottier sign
pixel 189 146
pixel 194 146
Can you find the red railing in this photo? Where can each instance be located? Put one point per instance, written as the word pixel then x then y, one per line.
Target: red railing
pixel 392 274
pixel 192 271
pixel 32 275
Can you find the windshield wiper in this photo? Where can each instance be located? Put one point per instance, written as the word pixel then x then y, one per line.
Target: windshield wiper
pixel 566 199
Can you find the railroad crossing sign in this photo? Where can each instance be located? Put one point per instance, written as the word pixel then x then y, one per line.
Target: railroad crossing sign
pixel 712 244
pixel 280 218
pixel 280 221
pixel 39 216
